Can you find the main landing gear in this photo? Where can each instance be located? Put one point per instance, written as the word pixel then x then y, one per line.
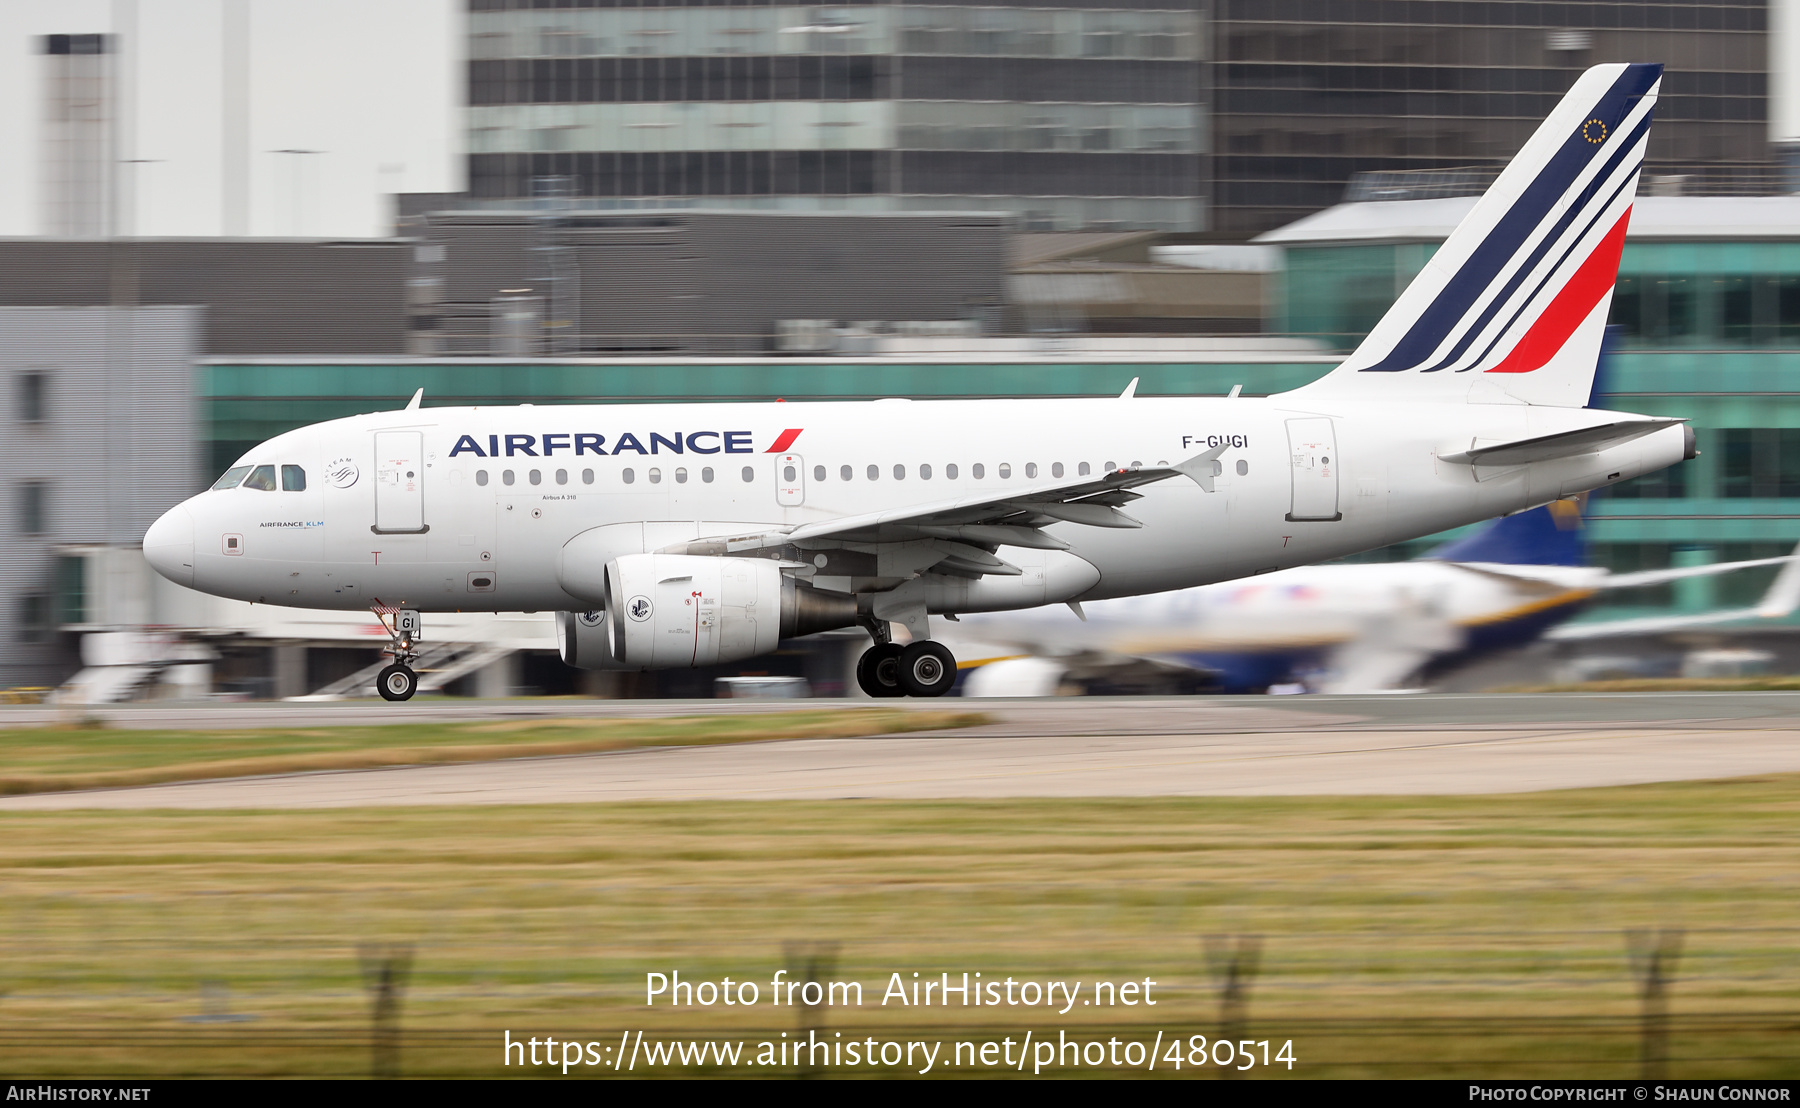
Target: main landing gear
pixel 398 681
pixel 923 668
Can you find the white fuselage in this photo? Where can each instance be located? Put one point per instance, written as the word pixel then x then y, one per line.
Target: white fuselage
pixel 470 509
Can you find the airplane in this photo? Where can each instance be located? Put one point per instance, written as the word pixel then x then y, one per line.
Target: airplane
pixel 1354 628
pixel 686 535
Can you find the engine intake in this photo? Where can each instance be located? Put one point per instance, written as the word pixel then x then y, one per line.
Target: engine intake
pixel 667 611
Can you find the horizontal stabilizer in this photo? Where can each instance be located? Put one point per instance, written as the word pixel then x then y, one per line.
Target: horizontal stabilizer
pixel 1563 444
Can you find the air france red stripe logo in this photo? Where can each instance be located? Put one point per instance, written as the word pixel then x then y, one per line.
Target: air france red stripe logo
pixel 786 440
pixel 1572 305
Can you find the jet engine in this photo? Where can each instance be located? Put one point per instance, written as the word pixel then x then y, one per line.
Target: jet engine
pixel 581 639
pixel 666 611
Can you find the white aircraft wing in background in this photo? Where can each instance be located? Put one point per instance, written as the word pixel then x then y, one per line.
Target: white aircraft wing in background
pixel 1780 601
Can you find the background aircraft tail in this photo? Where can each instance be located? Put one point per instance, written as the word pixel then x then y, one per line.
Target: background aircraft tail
pixel 1548 536
pixel 1511 309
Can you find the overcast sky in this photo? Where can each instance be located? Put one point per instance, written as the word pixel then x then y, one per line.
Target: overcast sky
pixel 375 84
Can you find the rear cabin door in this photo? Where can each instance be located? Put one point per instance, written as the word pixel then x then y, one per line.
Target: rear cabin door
pixel 1312 449
pixel 400 482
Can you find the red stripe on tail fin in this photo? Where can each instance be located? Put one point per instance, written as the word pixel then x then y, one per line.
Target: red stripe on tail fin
pixel 1573 304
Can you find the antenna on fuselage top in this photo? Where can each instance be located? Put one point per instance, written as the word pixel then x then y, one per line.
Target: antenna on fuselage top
pixel 413 404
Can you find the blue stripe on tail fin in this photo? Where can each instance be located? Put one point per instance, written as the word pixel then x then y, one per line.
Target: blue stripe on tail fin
pixel 1511 308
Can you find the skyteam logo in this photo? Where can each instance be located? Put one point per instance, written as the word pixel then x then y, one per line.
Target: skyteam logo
pixel 651 442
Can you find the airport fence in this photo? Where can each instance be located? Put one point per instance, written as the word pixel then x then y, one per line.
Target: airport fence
pixel 213 983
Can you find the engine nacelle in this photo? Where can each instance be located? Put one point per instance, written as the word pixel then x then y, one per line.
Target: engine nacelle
pixel 583 640
pixel 667 611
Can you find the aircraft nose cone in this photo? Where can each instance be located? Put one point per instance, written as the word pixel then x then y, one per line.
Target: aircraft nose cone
pixel 169 546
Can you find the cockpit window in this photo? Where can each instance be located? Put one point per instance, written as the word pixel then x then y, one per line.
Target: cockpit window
pixel 262 477
pixel 233 477
pixel 293 479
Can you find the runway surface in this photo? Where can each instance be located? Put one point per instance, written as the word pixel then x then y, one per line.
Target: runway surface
pixel 1248 746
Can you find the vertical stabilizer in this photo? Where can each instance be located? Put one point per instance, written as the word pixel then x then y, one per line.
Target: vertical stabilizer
pixel 1513 307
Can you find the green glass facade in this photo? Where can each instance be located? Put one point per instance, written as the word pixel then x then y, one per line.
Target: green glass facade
pixel 1708 331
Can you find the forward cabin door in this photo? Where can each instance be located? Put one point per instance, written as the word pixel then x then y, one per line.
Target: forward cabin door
pixel 1312 451
pixel 400 482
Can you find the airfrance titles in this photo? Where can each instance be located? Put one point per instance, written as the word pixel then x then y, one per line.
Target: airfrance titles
pixel 650 442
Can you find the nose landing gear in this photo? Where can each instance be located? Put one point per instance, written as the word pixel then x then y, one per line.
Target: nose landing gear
pixel 398 681
pixel 922 668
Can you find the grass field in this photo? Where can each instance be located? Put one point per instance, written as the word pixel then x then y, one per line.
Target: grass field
pixel 47 759
pixel 1446 937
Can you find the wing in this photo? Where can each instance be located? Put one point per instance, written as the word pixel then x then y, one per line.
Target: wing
pixel 1779 602
pixel 959 536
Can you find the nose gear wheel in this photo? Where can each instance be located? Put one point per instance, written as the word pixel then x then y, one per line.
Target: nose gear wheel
pixel 397 682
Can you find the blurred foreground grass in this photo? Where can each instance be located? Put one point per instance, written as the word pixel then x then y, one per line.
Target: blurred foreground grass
pixel 47 759
pixel 1402 936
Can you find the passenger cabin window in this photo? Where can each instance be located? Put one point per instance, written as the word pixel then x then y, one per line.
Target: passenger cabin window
pixel 706 474
pixel 950 471
pixel 506 477
pixel 1005 471
pixel 481 477
pixel 978 471
pixel 33 496
pixel 233 478
pixel 925 471
pixel 1056 469
pixel 874 473
pixel 587 476
pixel 844 473
pixel 749 475
pixel 818 473
pixel 31 397
pixel 536 476
pixel 293 479
pixel 628 476
pixel 1083 470
pixel 262 477
pixel 562 476
pixel 680 476
pixel 1031 469
pixel 899 473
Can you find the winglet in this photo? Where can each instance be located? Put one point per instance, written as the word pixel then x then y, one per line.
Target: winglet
pixel 1784 594
pixel 1204 467
pixel 1130 390
pixel 413 404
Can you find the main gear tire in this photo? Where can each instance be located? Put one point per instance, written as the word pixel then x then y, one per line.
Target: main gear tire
pixel 397 682
pixel 927 668
pixel 878 670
